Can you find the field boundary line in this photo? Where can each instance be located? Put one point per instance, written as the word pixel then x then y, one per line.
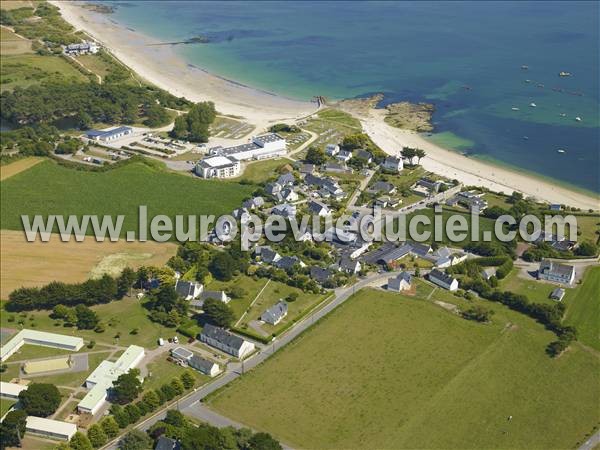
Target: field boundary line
pixel 253 302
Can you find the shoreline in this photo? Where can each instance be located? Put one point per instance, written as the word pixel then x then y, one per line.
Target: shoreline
pixel 161 66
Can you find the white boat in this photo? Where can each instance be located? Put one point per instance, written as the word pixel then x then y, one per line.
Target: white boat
pixel 533 105
pixel 514 108
pixel 578 119
pixel 560 150
pixel 563 115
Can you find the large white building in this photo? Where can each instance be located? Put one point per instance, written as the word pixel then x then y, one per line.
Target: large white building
pixel 444 280
pixel 41 338
pixel 103 377
pixel 262 147
pixel 556 272
pixel 217 167
pixel 109 135
pixel 53 429
pixel 11 390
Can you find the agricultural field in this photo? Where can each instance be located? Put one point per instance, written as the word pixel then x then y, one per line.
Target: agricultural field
pixel 28 69
pixel 389 371
pixel 583 308
pixel 38 263
pixel 49 188
pixel 121 318
pixel 8 170
pixel 13 44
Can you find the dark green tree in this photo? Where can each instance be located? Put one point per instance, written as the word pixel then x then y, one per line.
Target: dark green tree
pixel 127 387
pixel 218 312
pixel 40 399
pixel 135 440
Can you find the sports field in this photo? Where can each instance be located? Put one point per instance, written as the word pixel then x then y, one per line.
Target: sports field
pixel 48 188
pixel 387 371
pixel 47 365
pixel 39 263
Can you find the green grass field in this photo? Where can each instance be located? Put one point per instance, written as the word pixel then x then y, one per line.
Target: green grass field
pixel 583 308
pixel 162 371
pixel 5 405
pixel 48 188
pixel 535 291
pixel 120 318
pixel 28 69
pixel 258 172
pixel 388 371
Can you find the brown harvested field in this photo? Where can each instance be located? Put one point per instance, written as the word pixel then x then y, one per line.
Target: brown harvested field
pixel 16 167
pixel 14 4
pixel 13 44
pixel 37 263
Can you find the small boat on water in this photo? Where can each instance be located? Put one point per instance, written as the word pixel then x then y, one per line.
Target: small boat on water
pixel 564 74
pixel 514 108
pixel 532 105
pixel 524 67
pixel 560 150
pixel 527 81
pixel 578 119
pixel 525 138
pixel 563 115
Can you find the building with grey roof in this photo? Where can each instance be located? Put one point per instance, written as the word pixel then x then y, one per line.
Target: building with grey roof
pixel 444 280
pixel 204 366
pixel 188 290
pixel 275 313
pixel 556 272
pixel 401 282
pixel 225 341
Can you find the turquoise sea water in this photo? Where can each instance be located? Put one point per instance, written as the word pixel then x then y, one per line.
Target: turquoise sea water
pixel 465 57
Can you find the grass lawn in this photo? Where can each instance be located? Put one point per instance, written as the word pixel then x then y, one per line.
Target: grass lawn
pixel 27 69
pixel 161 371
pixel 388 371
pixel 332 126
pixel 251 286
pixel 258 172
pixel 48 188
pixel 35 351
pixel 120 317
pixel 536 291
pixel 228 128
pixel 589 227
pixel 583 308
pixel 274 292
pixel 69 408
pixel 5 405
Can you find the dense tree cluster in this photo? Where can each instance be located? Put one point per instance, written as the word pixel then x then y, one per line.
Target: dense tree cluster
pixel 218 312
pixel 166 307
pixel 127 387
pixel 40 399
pixel 37 140
pixel 194 126
pixel 196 437
pixel 108 103
pixel 315 156
pixel 12 429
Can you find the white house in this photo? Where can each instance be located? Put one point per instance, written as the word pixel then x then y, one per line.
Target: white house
pixel 217 167
pixel 41 338
pixel 204 366
pixel 189 290
pixel 275 313
pixel 318 208
pixel 402 282
pixel 53 429
pixel 332 149
pixel 393 164
pixel 224 340
pixel 556 272
pixel 444 280
pixel 344 155
pixel 181 354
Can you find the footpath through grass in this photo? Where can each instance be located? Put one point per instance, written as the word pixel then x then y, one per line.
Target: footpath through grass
pixel 49 188
pixel 388 371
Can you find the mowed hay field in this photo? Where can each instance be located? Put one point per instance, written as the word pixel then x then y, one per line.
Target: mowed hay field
pixel 38 263
pixel 49 188
pixel 388 371
pixel 8 170
pixel 13 44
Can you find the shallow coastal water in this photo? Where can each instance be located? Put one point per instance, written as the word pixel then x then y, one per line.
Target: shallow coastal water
pixel 466 58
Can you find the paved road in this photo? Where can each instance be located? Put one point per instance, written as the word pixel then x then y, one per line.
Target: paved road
pixel 188 404
pixel 591 443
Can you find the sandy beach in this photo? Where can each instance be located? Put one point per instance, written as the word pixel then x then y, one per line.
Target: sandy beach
pixel 161 66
